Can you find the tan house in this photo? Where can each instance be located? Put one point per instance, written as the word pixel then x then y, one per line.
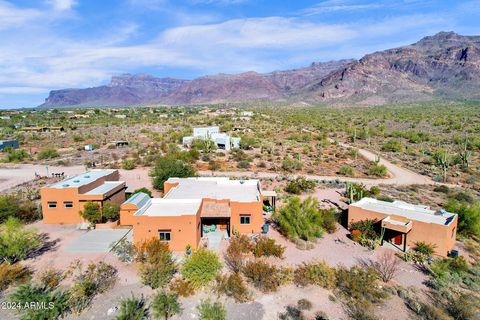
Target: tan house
pixel 192 204
pixel 63 201
pixel 405 224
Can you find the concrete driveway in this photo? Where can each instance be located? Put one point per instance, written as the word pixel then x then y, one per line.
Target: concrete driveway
pixel 97 241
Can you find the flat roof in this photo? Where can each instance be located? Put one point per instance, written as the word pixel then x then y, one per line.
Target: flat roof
pixel 105 187
pixel 139 199
pixel 410 211
pixel 214 188
pixel 160 207
pixel 82 179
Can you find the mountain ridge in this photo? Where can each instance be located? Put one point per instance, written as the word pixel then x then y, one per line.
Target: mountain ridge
pixel 445 65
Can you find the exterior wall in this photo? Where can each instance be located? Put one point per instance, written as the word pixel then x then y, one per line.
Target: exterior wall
pixel 184 230
pixel 254 209
pixel 438 235
pixel 60 214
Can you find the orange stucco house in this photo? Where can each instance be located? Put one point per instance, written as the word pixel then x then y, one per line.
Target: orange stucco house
pixel 63 201
pixel 405 224
pixel 191 203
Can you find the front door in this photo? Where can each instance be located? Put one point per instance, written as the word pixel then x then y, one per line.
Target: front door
pixel 398 240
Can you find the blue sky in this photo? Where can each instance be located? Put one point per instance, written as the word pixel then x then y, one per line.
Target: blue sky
pixel 54 44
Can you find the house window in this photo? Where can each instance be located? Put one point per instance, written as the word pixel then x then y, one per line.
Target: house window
pixel 52 205
pixel 245 219
pixel 164 235
pixel 68 204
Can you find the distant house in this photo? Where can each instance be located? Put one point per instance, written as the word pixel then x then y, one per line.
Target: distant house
pixel 63 201
pixel 120 143
pixel 405 224
pixel 4 117
pixel 223 141
pixel 89 147
pixel 247 114
pixel 121 116
pixel 9 144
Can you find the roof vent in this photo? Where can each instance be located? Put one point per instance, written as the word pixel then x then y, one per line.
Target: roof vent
pixel 66 185
pixel 242 181
pixel 440 212
pixel 76 181
pixel 86 177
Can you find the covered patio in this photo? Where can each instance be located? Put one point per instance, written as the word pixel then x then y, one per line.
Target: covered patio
pixel 395 232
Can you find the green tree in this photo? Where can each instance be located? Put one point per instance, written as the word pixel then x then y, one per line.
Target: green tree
pixel 16 241
pixel 201 267
pixel 111 211
pixel 165 305
pixel 167 167
pixel 129 164
pixel 14 206
pixel 55 300
pixel 144 190
pixel 300 220
pixel 92 212
pixel 468 216
pixel 158 266
pixel 133 308
pixel 211 311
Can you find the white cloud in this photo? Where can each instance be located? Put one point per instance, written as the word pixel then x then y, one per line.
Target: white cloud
pixel 62 5
pixel 11 16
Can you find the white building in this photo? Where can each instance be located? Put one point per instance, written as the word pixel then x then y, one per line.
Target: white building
pixel 222 140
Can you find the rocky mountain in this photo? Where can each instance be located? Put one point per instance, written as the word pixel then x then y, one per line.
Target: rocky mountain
pixel 445 65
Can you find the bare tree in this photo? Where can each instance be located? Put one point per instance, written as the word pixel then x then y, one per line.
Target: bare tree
pixel 386 265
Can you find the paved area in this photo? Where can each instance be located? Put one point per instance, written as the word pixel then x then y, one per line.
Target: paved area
pixel 215 239
pixel 98 240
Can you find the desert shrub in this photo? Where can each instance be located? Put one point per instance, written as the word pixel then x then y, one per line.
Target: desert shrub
pixel 92 212
pixel 124 250
pixel 51 277
pixel 211 311
pixel 424 248
pixel 110 211
pixel 95 279
pixel 240 245
pixel 443 268
pixel 377 170
pixel 357 310
pixel 304 304
pixel 468 216
pixel 291 313
pixel 201 267
pixel 392 146
pixel 298 219
pixel 442 189
pixel 359 284
pixel 262 275
pixel 129 164
pixel 317 273
pixel 169 166
pixel 464 307
pixel 16 241
pixel 157 265
pixel 133 308
pixel 267 247
pixel 346 171
pixel 165 305
pixel 47 154
pixel 13 274
pixel 366 228
pixel 16 155
pixel 291 165
pixel 232 285
pixel 55 300
pixel 243 164
pixel 182 287
pixel 300 185
pixel 329 219
pixel 16 207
